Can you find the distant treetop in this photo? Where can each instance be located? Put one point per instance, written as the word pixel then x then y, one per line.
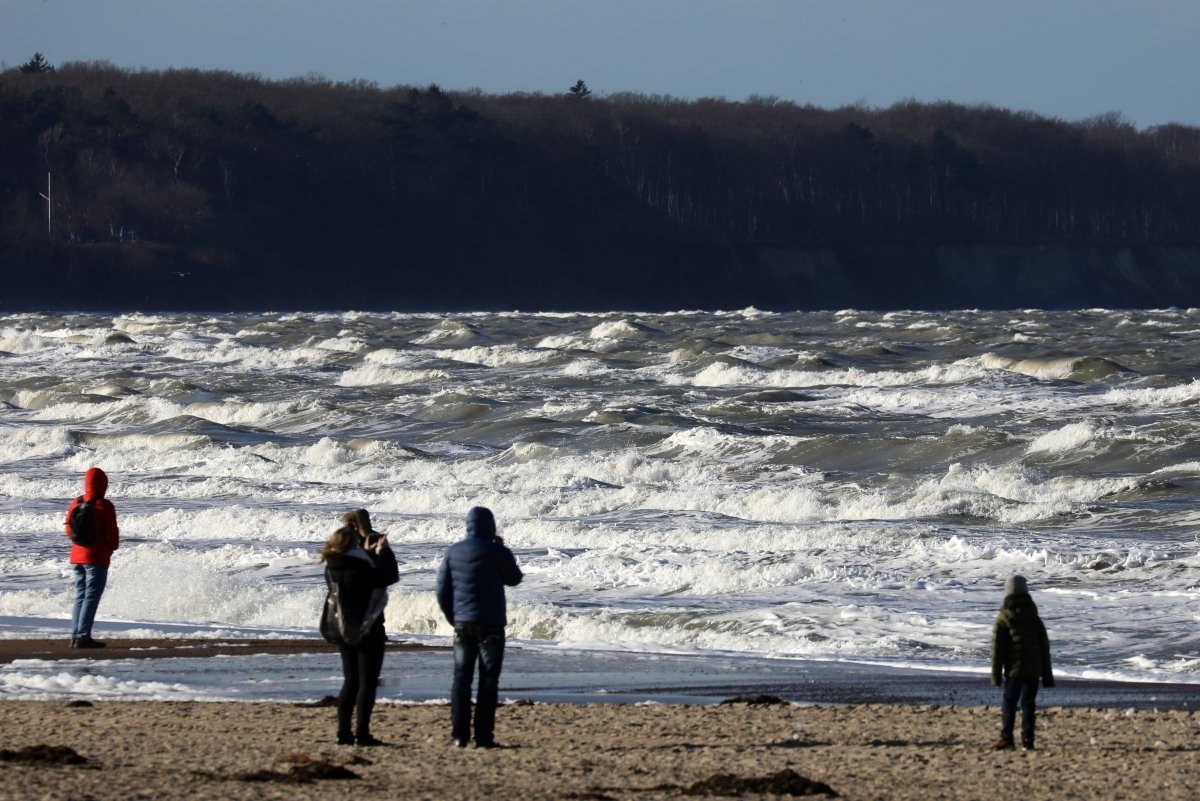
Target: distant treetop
pixel 37 64
pixel 579 90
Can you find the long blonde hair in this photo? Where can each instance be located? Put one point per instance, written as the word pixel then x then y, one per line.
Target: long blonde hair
pixel 339 542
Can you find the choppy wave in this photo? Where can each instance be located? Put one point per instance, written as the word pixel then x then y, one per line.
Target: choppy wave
pixel 846 484
pixel 1061 368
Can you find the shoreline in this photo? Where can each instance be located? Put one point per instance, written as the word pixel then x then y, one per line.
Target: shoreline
pixel 305 670
pixel 169 648
pixel 601 752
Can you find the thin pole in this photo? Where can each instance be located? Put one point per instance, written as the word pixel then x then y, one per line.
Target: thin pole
pixel 49 207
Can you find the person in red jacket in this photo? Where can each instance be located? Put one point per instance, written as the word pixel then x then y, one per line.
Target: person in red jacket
pixel 90 562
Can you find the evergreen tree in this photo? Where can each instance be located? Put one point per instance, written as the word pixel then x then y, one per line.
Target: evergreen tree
pixel 37 64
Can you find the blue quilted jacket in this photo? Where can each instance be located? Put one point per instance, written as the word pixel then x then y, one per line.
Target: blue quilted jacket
pixel 474 573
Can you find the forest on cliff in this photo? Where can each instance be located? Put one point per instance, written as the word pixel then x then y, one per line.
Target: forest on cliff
pixel 194 189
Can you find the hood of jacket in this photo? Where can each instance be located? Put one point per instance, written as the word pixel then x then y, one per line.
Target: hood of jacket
pixel 95 483
pixel 1019 604
pixel 480 524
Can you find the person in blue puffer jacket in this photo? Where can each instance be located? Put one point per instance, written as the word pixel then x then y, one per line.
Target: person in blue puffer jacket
pixel 470 592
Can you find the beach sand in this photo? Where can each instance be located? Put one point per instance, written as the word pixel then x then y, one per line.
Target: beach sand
pixel 860 749
pixel 177 750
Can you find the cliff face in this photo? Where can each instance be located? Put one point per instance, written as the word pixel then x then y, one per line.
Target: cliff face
pixel 907 276
pixel 978 276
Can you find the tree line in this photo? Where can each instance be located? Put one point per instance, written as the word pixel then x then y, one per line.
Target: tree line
pixel 207 189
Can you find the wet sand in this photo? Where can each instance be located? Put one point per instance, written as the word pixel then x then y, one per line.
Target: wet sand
pixel 421 673
pixel 178 750
pixel 11 650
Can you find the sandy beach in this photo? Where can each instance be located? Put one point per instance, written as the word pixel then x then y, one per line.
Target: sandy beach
pixel 836 738
pixel 1096 740
pixel 177 750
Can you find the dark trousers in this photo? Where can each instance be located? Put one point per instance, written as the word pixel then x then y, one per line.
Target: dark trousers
pixel 361 665
pixel 485 645
pixel 1019 691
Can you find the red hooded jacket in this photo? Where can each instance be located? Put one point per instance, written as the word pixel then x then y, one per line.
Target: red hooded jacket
pixel 108 539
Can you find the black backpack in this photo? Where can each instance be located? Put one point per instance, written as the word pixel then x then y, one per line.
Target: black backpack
pixel 82 522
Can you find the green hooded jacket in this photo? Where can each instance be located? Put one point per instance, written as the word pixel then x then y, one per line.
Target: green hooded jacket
pixel 1020 646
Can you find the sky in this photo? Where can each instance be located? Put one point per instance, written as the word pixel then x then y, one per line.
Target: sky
pixel 1069 59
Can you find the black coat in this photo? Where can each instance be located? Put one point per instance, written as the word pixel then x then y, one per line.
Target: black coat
pixel 1020 646
pixel 357 574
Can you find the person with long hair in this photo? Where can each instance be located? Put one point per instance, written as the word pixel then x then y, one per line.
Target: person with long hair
pixel 360 575
pixel 360 521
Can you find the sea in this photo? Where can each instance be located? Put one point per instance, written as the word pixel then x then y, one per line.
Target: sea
pixel 711 492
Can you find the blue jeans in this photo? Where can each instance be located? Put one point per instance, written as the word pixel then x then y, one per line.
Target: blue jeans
pixel 485 645
pixel 89 586
pixel 1023 691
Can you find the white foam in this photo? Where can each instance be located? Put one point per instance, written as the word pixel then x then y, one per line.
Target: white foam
pixel 31 442
pixel 452 332
pixel 712 444
pixel 375 375
pixel 391 357
pixel 498 355
pixel 622 329
pixel 1050 368
pixel 1156 398
pixel 28 686
pixel 662 513
pixel 1069 438
pixel 719 374
pixel 346 344
pixel 144 323
pixel 562 342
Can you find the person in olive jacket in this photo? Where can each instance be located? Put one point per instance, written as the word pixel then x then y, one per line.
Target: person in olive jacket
pixel 470 592
pixel 360 574
pixel 1020 658
pixel 90 562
